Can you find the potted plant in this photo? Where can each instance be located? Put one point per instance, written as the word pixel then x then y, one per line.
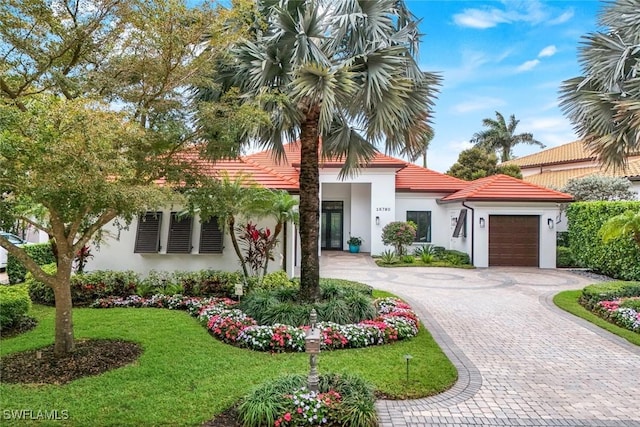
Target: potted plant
pixel 354 244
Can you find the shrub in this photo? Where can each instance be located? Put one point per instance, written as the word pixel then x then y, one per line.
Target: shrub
pixel 209 283
pixel 38 291
pixel 408 259
pixel 455 257
pixel 399 234
pixel 342 399
pixel 41 253
pixel 593 294
pixel 618 258
pixel 562 238
pixel 389 257
pixel 14 305
pixel 277 279
pixel 631 303
pixel 342 302
pixel 564 257
pixel 87 287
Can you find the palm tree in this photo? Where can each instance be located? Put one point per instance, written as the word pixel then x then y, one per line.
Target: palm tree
pixel 604 103
pixel 625 224
pixel 340 72
pixel 227 198
pixel 500 136
pixel 281 206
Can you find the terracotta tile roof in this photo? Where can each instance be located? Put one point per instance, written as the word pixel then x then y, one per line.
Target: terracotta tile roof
pixel 234 167
pixel 409 177
pixel 559 178
pixel 505 188
pixel 416 178
pixel 567 153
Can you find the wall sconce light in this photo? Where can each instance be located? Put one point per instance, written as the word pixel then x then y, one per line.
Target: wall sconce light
pixel 550 223
pixel 482 223
pixel 377 220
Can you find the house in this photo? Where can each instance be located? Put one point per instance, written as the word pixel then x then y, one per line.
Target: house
pixel 498 220
pixel 554 167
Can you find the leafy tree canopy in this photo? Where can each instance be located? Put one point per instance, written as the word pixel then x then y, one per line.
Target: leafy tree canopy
pixel 477 163
pixel 596 187
pixel 93 105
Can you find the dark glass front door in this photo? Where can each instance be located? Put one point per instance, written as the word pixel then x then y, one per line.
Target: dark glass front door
pixel 332 224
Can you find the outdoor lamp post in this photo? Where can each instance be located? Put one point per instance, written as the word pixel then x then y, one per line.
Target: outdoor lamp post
pixel 312 346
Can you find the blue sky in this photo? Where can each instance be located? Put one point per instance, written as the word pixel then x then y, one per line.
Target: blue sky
pixel 508 56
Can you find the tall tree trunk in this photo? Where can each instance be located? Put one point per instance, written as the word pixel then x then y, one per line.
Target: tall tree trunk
pixel 236 247
pixel 309 208
pixel 506 154
pixel 64 343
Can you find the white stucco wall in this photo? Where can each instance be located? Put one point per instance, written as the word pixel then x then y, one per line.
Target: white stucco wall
pixel 547 246
pixel 371 194
pixel 117 254
pixel 440 219
pixel 461 243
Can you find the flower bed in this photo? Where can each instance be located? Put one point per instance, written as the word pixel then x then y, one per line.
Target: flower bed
pixel 623 312
pixel 395 321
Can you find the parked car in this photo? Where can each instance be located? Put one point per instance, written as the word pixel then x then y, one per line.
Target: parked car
pixel 12 238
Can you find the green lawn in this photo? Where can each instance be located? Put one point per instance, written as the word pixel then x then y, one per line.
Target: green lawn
pixel 568 301
pixel 185 377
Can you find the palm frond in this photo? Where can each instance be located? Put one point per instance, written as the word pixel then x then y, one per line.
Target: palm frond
pixel 345 143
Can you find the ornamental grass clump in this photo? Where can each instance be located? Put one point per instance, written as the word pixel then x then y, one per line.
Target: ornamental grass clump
pixel 342 400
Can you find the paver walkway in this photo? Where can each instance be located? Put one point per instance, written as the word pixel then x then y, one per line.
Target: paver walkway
pixel 521 361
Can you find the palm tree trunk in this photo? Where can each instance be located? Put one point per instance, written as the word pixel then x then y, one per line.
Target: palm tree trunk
pixel 309 208
pixel 234 241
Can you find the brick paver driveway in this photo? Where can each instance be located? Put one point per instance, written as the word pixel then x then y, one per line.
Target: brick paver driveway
pixel 521 361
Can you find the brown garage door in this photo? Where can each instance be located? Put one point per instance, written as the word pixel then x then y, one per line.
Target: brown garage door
pixel 514 240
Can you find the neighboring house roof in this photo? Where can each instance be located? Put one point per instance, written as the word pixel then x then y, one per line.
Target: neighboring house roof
pixel 559 178
pixel 572 152
pixel 570 161
pixel 505 188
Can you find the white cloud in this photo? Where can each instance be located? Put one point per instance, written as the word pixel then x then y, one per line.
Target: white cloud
pixel 480 19
pixel 478 104
pixel 562 18
pixel 528 65
pixel 531 11
pixel 458 146
pixel 548 51
pixel 546 124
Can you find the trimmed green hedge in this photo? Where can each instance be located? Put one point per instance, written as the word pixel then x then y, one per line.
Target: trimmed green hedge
pixel 14 305
pixel 620 258
pixel 41 253
pixel 87 287
pixel 564 257
pixel 607 291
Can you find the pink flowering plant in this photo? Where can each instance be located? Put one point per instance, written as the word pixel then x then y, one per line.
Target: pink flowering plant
pixel 624 312
pixel 308 408
pixel 395 321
